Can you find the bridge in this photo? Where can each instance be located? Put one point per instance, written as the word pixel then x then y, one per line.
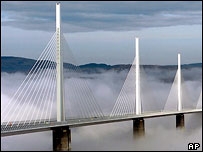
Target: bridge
pixel 39 104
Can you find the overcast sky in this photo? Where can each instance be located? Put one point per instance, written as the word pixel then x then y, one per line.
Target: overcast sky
pixel 103 32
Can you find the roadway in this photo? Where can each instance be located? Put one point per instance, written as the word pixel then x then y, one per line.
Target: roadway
pixel 22 128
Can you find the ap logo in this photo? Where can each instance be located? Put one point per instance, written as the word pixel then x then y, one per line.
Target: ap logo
pixel 193 146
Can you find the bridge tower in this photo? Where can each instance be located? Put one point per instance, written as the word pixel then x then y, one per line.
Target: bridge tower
pixel 179 117
pixel 138 98
pixel 138 124
pixel 61 135
pixel 59 68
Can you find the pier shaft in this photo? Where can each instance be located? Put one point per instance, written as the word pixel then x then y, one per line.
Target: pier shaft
pixel 61 138
pixel 180 121
pixel 138 127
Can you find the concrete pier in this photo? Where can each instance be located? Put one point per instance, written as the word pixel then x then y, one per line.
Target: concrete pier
pixel 61 139
pixel 180 121
pixel 138 127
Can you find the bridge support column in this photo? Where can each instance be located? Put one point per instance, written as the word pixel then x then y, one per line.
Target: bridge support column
pixel 61 139
pixel 138 127
pixel 180 121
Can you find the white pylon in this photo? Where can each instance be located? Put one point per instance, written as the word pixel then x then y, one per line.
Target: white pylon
pixel 59 68
pixel 179 84
pixel 137 99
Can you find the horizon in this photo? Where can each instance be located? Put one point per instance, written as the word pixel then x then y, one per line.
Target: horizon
pixel 110 64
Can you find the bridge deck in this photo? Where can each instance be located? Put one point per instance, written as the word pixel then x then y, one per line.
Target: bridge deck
pixel 37 127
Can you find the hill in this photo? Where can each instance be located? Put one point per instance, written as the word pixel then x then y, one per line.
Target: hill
pixel 19 64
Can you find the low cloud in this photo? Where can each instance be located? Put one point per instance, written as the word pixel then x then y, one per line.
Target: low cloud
pixel 160 133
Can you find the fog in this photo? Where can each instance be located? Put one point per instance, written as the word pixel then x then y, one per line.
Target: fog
pixel 105 86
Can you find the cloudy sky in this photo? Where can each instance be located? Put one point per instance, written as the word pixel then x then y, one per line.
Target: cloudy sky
pixel 103 32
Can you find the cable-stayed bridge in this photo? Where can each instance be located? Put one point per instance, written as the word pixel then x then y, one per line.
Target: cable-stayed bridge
pixel 43 102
